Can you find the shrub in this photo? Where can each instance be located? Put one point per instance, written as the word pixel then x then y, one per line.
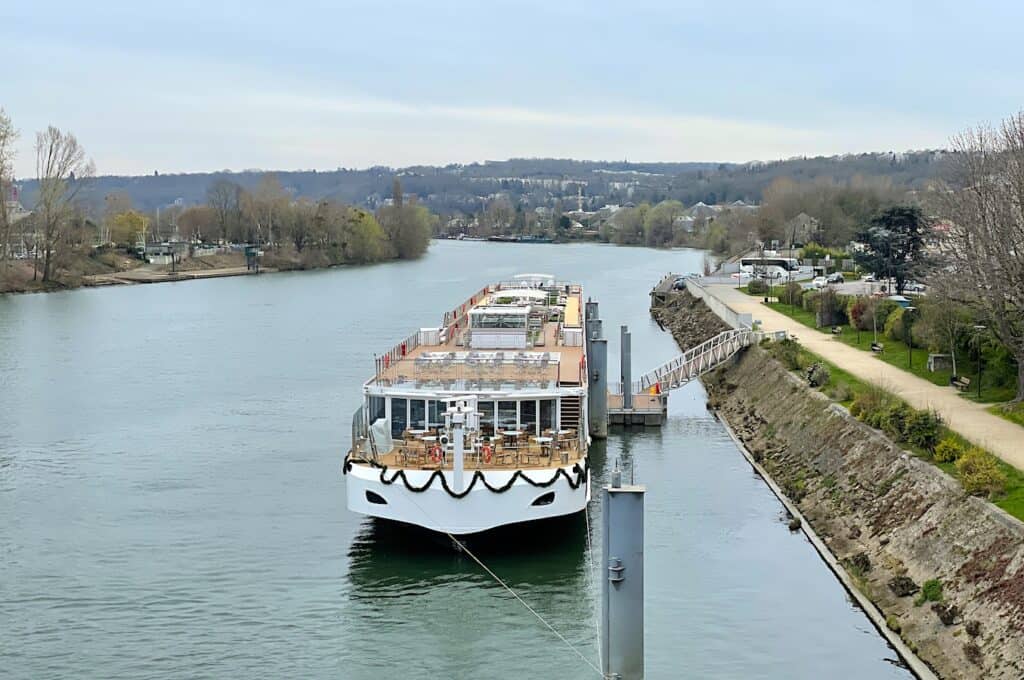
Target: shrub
pixel 931 591
pixel 810 300
pixel 894 419
pixel 980 473
pixel 858 311
pixel 818 375
pixel 867 402
pixel 948 450
pixel 830 309
pixel 922 429
pixel 894 324
pixel 757 287
pixel 787 352
pixel 841 392
pixel 793 293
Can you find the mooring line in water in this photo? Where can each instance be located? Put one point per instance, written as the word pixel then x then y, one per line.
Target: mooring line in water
pixel 593 580
pixel 533 611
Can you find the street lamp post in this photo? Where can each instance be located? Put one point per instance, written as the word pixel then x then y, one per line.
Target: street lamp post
pixel 978 330
pixel 908 320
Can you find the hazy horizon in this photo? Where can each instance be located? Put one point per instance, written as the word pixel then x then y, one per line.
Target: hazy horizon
pixel 189 88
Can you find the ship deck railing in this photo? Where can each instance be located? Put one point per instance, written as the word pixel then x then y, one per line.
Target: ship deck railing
pixel 549 361
pixel 523 452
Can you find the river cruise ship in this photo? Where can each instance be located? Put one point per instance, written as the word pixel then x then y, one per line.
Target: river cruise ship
pixel 480 422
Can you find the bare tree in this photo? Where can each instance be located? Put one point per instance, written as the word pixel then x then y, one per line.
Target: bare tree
pixel 264 206
pixel 7 137
pixel 61 170
pixel 224 197
pixel 945 317
pixel 985 239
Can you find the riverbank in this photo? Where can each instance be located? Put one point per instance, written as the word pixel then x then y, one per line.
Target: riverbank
pixel 116 268
pixel 942 568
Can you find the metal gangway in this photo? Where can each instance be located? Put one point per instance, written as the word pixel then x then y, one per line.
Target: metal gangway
pixel 697 360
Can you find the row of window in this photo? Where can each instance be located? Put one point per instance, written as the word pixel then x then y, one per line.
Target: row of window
pixel 527 415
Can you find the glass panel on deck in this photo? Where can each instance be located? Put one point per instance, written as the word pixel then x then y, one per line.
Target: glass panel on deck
pixel 486 409
pixel 547 414
pixel 434 417
pixel 399 417
pixel 375 409
pixel 507 415
pixel 528 416
pixel 417 414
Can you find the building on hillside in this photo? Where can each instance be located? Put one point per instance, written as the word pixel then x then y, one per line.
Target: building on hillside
pixel 701 209
pixel 802 229
pixel 685 223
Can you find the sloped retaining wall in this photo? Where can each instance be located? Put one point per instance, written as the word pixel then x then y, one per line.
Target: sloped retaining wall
pixel 888 517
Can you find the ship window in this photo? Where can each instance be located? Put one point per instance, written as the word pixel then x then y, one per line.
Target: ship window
pixel 417 414
pixel 507 415
pixel 434 418
pixel 547 413
pixel 499 321
pixel 528 416
pixel 544 499
pixel 486 409
pixel 399 416
pixel 376 408
pixel 377 499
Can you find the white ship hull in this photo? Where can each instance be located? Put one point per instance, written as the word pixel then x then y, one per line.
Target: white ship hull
pixel 479 510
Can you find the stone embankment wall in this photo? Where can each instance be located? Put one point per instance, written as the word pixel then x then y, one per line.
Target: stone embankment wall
pixel 688 319
pixel 893 520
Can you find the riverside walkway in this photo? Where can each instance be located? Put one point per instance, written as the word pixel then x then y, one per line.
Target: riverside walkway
pixel 970 419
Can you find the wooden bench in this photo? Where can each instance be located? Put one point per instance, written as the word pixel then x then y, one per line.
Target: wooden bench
pixel 877 347
pixel 962 383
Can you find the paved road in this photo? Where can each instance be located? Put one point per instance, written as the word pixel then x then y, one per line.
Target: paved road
pixel 968 418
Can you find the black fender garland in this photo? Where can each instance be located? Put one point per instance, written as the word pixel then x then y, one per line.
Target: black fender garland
pixel 581 475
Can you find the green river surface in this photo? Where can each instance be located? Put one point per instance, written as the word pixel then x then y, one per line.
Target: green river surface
pixel 172 503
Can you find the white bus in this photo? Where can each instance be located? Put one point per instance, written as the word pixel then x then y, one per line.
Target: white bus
pixel 769 267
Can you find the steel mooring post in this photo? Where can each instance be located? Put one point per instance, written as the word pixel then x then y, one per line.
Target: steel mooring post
pixel 622 586
pixel 597 397
pixel 626 365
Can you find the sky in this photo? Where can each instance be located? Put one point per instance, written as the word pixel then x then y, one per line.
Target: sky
pixel 195 85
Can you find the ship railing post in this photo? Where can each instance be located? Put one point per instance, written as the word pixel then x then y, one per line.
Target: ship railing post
pixel 622 584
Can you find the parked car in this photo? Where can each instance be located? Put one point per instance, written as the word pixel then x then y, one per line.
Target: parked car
pixel 913 287
pixel 868 278
pixel 835 277
pixel 901 300
pixel 819 282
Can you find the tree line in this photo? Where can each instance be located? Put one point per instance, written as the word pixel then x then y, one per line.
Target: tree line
pixel 64 233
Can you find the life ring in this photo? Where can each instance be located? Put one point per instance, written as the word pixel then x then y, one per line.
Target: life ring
pixel 487 453
pixel 435 453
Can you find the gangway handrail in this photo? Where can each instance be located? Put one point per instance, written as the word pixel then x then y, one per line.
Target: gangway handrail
pixel 697 360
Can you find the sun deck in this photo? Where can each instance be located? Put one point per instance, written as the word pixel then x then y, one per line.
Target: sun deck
pixel 553 355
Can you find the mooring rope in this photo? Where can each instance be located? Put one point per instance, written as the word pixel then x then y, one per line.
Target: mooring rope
pixel 523 602
pixel 462 546
pixel 592 569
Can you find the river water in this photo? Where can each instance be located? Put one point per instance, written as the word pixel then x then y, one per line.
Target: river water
pixel 171 501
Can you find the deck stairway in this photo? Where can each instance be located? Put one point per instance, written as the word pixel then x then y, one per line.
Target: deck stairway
pixel 571 413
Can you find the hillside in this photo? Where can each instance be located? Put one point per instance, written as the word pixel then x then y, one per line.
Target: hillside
pixel 535 182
